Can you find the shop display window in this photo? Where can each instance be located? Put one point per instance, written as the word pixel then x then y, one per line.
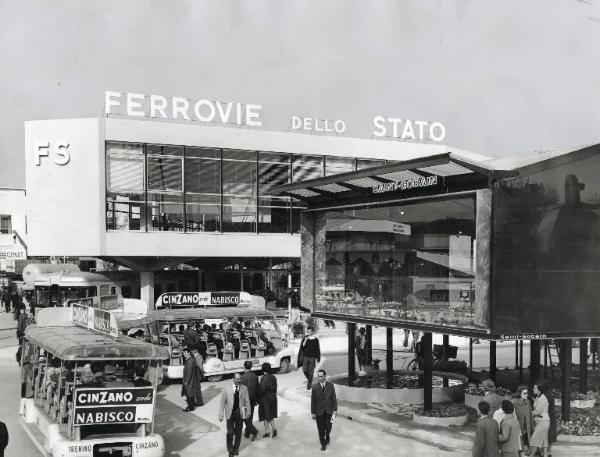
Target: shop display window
pixel 411 262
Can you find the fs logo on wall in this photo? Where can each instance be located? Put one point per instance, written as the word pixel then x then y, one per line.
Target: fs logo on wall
pixel 58 152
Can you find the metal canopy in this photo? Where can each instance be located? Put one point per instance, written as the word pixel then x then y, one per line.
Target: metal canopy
pixel 76 343
pixel 445 165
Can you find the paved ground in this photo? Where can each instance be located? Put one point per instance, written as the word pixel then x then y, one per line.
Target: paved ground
pixel 372 430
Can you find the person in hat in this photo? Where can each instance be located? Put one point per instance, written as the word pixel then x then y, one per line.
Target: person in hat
pixel 191 337
pixel 491 397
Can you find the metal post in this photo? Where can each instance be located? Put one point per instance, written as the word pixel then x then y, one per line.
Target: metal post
pixel 290 296
pixel 445 343
pixel 546 359
pixel 583 355
pixel 471 355
pixel 534 364
pixel 566 380
pixel 594 350
pixel 493 360
pixel 521 361
pixel 389 357
pixel 517 354
pixel 427 372
pixel 351 353
pixel 369 344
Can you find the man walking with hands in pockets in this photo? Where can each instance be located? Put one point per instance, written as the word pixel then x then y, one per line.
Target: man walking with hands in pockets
pixel 235 403
pixel 323 407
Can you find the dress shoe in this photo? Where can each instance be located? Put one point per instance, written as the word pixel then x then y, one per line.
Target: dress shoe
pixel 187 410
pixel 254 436
pixel 236 452
pixel 231 454
pixel 323 447
pixel 266 435
pixel 274 433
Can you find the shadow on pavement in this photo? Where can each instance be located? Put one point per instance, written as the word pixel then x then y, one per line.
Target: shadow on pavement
pixel 181 429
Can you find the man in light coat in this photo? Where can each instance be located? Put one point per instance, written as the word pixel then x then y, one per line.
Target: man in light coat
pixel 235 407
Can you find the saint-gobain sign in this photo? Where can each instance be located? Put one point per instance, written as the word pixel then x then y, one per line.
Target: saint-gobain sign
pixel 95 319
pixel 196 299
pixel 405 184
pixel 95 406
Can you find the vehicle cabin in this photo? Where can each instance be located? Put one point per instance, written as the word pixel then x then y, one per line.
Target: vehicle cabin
pixel 65 287
pixel 89 391
pixel 228 337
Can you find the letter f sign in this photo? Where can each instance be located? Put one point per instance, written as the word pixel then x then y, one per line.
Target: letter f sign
pixel 41 149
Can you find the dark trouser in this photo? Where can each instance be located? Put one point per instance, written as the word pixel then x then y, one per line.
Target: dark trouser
pixel 324 427
pixel 191 402
pixel 250 428
pixel 308 367
pixel 7 306
pixel 234 431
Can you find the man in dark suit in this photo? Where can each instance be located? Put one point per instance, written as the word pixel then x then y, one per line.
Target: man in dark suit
pixel 323 407
pixel 138 377
pixel 3 438
pixel 486 434
pixel 250 380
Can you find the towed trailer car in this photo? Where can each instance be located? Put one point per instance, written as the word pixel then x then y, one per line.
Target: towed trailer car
pixel 65 413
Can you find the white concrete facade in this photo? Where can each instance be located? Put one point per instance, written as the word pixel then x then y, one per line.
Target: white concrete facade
pixel 65 203
pixel 12 204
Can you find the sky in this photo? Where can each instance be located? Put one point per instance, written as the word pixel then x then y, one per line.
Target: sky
pixel 505 77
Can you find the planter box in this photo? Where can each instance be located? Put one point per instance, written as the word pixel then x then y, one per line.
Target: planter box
pixel 440 421
pixel 584 404
pixel 395 396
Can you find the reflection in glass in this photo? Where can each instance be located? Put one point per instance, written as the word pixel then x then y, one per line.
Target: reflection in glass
pixel 165 211
pixel 411 263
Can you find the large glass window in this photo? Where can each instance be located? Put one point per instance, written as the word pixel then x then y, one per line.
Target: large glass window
pixel 411 263
pixel 164 166
pixel 239 191
pixel 203 189
pixel 125 179
pixel 306 167
pixel 273 211
pixel 338 165
pixel 166 211
pixel 5 223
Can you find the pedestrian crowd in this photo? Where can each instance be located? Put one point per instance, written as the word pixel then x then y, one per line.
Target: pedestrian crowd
pixel 512 428
pixel 239 400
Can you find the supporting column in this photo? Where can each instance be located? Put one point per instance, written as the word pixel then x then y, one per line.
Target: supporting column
pixel 445 344
pixel 566 380
pixel 389 357
pixel 534 365
pixel 517 354
pixel 583 355
pixel 427 372
pixel 369 344
pixel 546 359
pixel 147 288
pixel 493 360
pixel 521 361
pixel 471 355
pixel 351 353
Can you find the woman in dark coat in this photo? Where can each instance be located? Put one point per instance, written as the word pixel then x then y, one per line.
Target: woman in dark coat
pixel 267 409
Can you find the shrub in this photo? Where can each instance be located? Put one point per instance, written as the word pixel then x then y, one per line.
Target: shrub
pixel 445 409
pixel 450 366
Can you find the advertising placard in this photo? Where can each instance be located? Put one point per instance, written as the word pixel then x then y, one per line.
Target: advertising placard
pixel 95 319
pixel 197 299
pixel 127 405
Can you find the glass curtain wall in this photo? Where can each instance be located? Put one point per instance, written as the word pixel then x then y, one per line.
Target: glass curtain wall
pixel 203 189
pixel 193 189
pixel 273 211
pixel 125 183
pixel 414 262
